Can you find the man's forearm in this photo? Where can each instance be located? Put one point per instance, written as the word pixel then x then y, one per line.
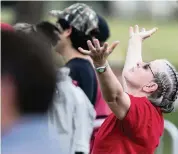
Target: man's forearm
pixel 134 53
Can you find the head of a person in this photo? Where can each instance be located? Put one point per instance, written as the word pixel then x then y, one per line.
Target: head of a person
pixel 104 30
pixel 78 24
pixel 27 77
pixel 158 80
pixel 43 30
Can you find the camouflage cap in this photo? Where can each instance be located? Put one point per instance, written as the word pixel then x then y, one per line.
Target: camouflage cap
pixel 80 16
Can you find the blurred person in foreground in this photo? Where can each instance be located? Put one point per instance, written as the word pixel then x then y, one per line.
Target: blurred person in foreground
pixel 47 31
pixel 27 86
pixel 71 114
pixel 148 91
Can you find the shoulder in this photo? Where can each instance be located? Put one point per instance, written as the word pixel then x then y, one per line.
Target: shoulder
pixel 143 106
pixel 141 114
pixel 79 63
pixel 81 68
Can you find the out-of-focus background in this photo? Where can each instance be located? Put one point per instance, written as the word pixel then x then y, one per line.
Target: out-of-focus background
pixel 119 15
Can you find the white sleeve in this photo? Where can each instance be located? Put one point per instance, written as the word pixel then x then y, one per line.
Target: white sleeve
pixel 84 123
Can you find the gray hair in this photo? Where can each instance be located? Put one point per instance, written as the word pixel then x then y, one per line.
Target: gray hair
pixel 25 27
pixel 167 92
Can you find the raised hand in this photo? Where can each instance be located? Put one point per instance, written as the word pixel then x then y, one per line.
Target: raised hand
pixel 143 34
pixel 97 53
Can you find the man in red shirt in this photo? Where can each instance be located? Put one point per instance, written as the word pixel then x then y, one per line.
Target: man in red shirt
pixel 148 90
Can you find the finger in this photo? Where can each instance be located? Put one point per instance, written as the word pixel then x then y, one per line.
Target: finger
pixel 96 44
pixel 105 46
pixel 131 32
pixel 113 46
pixel 143 30
pixel 90 46
pixel 150 32
pixel 136 29
pixel 86 52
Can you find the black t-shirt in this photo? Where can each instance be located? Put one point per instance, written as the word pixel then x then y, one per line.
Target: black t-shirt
pixel 82 71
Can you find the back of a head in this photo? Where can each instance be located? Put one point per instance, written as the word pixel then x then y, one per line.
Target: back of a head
pixel 82 19
pixel 31 30
pixel 78 38
pixel 50 31
pixel 80 16
pixel 24 27
pixel 43 30
pixel 29 63
pixel 104 31
pixel 167 92
pixel 46 32
pixel 85 24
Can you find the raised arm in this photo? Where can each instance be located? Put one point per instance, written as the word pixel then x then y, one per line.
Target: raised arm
pixel 134 51
pixel 134 54
pixel 112 90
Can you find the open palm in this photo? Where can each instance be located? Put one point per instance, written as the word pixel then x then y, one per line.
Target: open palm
pixel 97 53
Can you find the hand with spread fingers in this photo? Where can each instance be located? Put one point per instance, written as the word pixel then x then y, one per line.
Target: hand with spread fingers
pixel 99 54
pixel 143 34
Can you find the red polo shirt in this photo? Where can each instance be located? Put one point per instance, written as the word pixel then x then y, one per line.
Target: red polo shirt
pixel 138 133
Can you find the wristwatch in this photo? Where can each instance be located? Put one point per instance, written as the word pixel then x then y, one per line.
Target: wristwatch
pixel 101 69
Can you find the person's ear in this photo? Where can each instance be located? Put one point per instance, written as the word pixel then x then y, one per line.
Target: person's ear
pixel 151 87
pixel 67 32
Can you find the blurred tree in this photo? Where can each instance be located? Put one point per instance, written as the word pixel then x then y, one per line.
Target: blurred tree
pixel 176 11
pixel 106 6
pixel 29 11
pixel 102 7
pixel 8 3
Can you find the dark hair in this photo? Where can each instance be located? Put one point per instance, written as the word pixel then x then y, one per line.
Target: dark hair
pixel 45 30
pixel 78 38
pixel 104 31
pixel 49 31
pixel 29 63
